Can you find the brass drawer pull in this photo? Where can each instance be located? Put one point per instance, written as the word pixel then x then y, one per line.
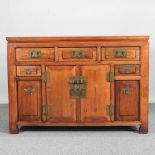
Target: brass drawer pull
pixel 126 70
pixel 29 91
pixel 126 90
pixel 34 54
pixel 77 54
pixel 28 71
pixel 120 54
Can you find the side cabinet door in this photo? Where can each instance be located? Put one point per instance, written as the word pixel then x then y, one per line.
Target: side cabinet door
pixel 94 105
pixel 127 100
pixel 29 100
pixel 61 107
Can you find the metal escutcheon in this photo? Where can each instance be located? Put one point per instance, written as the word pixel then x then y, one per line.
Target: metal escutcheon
pixel 126 90
pixel 29 91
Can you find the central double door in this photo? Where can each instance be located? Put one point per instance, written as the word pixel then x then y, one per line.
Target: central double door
pixel 90 107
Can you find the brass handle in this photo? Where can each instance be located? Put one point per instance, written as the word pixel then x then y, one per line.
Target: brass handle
pixel 120 54
pixel 126 90
pixel 126 70
pixel 77 54
pixel 34 54
pixel 28 71
pixel 29 91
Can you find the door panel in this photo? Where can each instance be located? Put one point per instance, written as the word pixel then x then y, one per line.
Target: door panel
pixel 93 106
pixel 127 100
pixel 29 100
pixel 61 105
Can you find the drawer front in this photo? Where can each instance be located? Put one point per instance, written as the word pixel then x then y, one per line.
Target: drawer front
pixel 35 54
pixel 28 71
pixel 78 54
pixel 120 53
pixel 127 70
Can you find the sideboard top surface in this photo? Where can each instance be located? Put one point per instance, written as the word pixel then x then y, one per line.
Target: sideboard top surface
pixel 76 38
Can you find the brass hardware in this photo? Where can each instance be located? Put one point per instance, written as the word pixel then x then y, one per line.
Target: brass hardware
pixel 77 54
pixel 77 86
pixel 110 76
pixel 29 91
pixel 46 110
pixel 126 90
pixel 126 70
pixel 28 71
pixel 110 110
pixel 120 54
pixel 34 54
pixel 45 76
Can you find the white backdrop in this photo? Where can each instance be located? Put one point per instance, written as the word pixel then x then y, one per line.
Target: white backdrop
pixel 75 18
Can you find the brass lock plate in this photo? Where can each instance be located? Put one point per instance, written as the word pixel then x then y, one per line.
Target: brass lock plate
pixel 77 87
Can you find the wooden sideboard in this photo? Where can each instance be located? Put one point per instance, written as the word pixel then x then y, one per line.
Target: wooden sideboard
pixel 78 81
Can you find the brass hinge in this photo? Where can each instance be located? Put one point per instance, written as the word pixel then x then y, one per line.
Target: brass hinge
pixel 110 76
pixel 110 110
pixel 45 76
pixel 45 110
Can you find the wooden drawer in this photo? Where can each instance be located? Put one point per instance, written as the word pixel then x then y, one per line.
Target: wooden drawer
pixel 78 54
pixel 35 54
pixel 28 71
pixel 120 53
pixel 127 70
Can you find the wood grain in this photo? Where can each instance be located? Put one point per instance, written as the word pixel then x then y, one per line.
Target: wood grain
pixel 29 104
pixel 126 70
pixel 65 54
pixel 93 106
pixel 28 71
pixel 132 53
pixel 127 104
pixel 47 54
pixel 61 105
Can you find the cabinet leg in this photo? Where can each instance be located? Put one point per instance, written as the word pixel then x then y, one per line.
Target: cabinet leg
pixel 143 129
pixel 14 129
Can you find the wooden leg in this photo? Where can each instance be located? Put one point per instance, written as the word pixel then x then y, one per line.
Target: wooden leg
pixel 143 129
pixel 14 129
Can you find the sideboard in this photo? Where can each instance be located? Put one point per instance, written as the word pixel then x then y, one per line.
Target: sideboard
pixel 78 81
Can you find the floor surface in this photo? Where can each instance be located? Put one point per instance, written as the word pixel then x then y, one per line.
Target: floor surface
pixel 76 141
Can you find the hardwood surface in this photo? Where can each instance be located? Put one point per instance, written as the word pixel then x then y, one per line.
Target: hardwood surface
pixel 128 70
pixel 22 54
pixel 89 54
pixel 93 106
pixel 127 102
pixel 40 90
pixel 61 105
pixel 28 71
pixel 132 53
pixel 29 103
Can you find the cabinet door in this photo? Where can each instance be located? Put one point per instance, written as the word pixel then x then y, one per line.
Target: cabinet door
pixel 93 106
pixel 127 100
pixel 29 100
pixel 61 106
